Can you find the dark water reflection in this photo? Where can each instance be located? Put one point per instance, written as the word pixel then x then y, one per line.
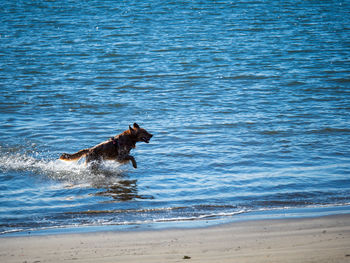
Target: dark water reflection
pixel 124 190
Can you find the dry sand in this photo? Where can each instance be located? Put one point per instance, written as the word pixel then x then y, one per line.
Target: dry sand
pixel 324 239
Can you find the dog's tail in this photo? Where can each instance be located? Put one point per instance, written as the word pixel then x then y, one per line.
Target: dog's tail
pixel 74 156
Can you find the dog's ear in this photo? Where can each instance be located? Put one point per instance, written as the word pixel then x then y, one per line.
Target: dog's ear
pixel 136 126
pixel 131 129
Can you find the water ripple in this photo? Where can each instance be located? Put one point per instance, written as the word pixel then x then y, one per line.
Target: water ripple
pixel 247 101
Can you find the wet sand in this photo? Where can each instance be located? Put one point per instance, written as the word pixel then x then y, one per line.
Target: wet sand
pixel 323 239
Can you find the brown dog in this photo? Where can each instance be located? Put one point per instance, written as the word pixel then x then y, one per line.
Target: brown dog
pixel 117 148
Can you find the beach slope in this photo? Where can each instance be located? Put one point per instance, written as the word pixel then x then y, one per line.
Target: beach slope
pixel 323 239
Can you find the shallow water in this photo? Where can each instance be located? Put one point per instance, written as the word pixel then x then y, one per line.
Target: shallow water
pixel 248 102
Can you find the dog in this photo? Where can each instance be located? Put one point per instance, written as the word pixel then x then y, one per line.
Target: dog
pixel 116 148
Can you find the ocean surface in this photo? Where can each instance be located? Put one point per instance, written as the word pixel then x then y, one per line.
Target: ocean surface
pixel 248 102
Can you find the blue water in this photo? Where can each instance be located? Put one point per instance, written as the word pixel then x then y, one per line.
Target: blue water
pixel 248 102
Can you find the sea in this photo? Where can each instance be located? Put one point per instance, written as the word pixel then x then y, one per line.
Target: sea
pixel 248 102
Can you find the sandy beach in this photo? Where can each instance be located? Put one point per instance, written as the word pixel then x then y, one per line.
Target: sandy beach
pixel 323 239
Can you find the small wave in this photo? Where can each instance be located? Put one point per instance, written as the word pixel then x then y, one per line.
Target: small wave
pixel 342 80
pixel 329 130
pixel 271 132
pixel 221 216
pixel 171 214
pixel 295 83
pixel 120 211
pixel 110 223
pixel 246 77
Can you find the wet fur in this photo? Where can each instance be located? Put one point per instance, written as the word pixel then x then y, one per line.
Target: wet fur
pixel 117 148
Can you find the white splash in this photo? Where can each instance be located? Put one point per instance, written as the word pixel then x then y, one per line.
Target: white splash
pixel 75 172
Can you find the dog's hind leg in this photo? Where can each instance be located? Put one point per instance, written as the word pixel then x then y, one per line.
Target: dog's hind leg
pixel 93 160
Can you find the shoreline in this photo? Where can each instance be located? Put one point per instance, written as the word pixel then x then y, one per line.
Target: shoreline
pixel 316 239
pixel 265 214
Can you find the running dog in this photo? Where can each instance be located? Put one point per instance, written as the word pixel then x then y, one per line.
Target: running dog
pixel 116 148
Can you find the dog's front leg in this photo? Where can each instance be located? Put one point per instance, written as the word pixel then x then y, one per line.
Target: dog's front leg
pixel 132 159
pixel 127 158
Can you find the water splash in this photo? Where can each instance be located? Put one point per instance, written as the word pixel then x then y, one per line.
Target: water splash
pixel 72 172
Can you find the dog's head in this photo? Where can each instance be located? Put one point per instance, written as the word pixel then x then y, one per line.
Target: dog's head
pixel 141 134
